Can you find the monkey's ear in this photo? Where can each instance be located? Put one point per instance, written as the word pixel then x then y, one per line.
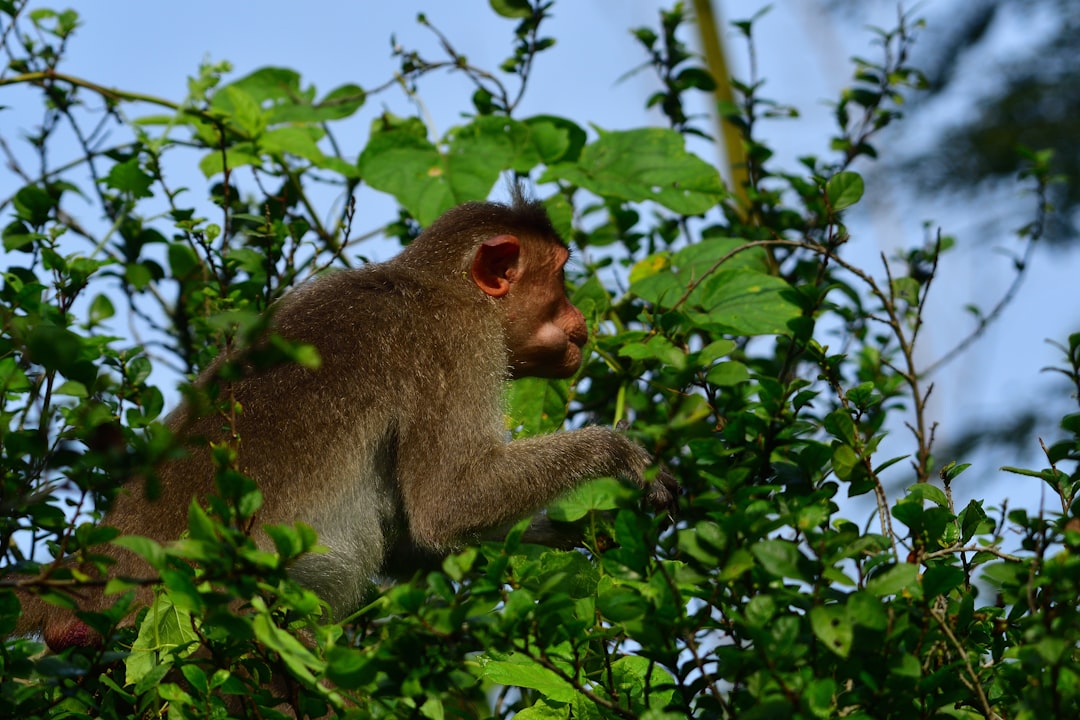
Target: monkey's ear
pixel 495 263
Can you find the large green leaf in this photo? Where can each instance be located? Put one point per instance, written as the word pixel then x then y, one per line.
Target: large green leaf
pixel 128 177
pixel 833 627
pixel 520 670
pixel 165 628
pixel 278 91
pixel 663 278
pixel 536 405
pixel 844 190
pixel 241 109
pixel 644 164
pixel 236 156
pixel 511 8
pixel 780 558
pixel 748 303
pixel 400 160
pixel 739 298
pixel 601 494
pixel 299 140
pixel 556 139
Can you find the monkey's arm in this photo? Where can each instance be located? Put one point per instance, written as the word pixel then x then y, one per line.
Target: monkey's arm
pixel 493 483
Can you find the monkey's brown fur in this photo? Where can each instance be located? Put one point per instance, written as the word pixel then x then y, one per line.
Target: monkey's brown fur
pixel 395 447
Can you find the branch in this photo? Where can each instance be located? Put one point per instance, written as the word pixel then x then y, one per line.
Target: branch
pixel 993 550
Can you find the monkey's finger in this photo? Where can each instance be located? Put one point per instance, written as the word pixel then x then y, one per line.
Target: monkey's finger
pixel 663 493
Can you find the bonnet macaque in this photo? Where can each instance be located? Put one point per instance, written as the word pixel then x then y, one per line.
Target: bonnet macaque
pixel 395 446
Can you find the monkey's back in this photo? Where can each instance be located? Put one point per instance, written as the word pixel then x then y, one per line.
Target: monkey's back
pixel 322 443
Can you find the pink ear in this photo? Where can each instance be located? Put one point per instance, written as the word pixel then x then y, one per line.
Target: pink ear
pixel 493 264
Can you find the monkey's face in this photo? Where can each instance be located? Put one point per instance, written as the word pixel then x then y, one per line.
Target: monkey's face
pixel 544 331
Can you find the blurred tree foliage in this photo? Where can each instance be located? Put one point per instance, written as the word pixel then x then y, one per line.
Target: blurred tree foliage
pixel 1028 98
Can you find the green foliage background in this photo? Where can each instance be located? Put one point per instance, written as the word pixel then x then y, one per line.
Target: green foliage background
pixel 755 360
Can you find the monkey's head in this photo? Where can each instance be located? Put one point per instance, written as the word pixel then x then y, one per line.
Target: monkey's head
pixel 544 331
pixel 516 259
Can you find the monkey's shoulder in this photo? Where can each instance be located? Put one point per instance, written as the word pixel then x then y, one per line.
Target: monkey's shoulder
pixel 380 315
pixel 375 283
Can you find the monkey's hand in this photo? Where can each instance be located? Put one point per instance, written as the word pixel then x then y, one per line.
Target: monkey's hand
pixel 663 495
pixel 663 491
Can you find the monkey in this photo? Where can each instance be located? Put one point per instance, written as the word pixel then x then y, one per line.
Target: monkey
pixel 395 448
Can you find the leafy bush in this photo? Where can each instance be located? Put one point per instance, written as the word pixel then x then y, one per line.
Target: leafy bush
pixel 762 366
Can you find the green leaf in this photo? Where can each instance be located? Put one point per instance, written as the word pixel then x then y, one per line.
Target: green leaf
pixel 301 141
pixel 634 675
pixel 57 348
pixel 71 389
pixel 484 148
pixel 780 558
pixel 941 579
pixel 341 102
pixel 542 709
pixel 164 629
pixel 592 298
pixel 556 139
pixel 619 603
pixel 820 696
pixel 33 204
pixel 241 108
pixel 278 90
pixel 840 425
pixel 537 406
pixel 971 518
pixel 18 237
pixel 716 350
pixel 518 670
pixel 237 155
pixel 644 164
pixel 760 611
pixel 297 656
pixel 902 578
pixel 433 709
pixel 1023 471
pixel 749 303
pixel 833 628
pixel 1006 575
pixel 273 84
pixel 952 470
pixel 844 460
pixel 200 526
pixel 920 492
pixel 844 189
pixel 128 177
pixel 9 612
pixel 867 610
pixel 511 8
pixel 657 348
pixel 727 374
pixel 182 260
pixel 696 78
pixel 601 494
pixel 739 562
pixel 348 668
pixel 704 542
pixel 101 309
pixel 401 161
pixel 149 550
pixel 656 285
pixel 196 677
pixel 12 377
